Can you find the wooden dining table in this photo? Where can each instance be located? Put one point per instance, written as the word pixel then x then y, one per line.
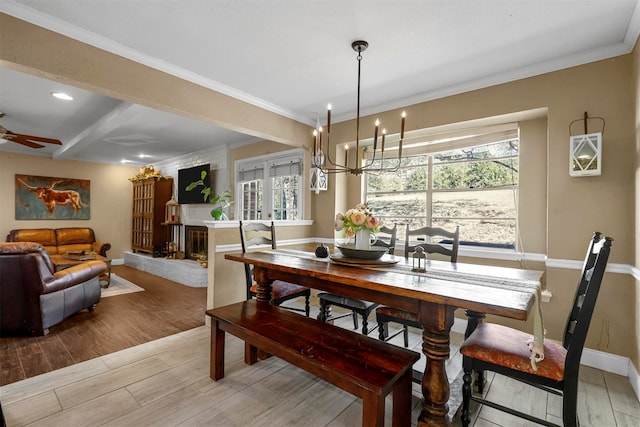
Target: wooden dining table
pixel 434 294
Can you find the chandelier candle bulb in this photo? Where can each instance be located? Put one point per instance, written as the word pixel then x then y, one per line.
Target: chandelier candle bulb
pixel 346 155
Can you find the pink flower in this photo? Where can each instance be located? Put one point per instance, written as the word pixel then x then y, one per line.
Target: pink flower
pixel 349 232
pixel 338 225
pixel 372 222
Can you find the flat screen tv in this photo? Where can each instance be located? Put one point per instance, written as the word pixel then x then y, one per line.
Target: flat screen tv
pixel 186 177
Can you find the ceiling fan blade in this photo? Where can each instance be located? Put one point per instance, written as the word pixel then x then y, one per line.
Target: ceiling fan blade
pixel 37 138
pixel 26 142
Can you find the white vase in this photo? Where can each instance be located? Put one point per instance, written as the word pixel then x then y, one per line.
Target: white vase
pixel 364 239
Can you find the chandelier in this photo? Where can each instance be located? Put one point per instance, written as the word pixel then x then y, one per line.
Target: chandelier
pixel 321 158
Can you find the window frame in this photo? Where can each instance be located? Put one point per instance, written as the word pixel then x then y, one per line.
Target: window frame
pixel 429 193
pixel 263 163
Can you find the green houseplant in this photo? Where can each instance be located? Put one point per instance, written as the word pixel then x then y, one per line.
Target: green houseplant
pixel 220 201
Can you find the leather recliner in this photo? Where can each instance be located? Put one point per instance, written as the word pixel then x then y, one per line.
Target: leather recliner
pixel 34 297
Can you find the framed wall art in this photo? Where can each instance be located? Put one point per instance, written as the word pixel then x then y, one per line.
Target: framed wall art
pixel 42 197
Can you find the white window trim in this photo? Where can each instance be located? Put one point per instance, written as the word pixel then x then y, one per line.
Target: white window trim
pixel 265 161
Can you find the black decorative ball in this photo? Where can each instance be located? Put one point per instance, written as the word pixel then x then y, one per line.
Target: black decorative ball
pixel 322 251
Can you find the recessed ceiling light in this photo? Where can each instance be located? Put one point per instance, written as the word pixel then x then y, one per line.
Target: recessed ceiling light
pixel 125 161
pixel 144 156
pixel 62 95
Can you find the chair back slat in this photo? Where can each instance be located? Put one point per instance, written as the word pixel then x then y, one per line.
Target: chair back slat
pixel 430 247
pixel 258 240
pixel 585 299
pixel 391 243
pixel 254 234
pixel 257 233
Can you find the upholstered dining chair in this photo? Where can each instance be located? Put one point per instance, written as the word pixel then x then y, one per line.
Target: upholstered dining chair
pixel 385 314
pixel 356 306
pixel 257 233
pixel 505 351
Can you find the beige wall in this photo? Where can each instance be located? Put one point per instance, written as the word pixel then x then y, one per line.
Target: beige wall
pixel 111 197
pixel 561 211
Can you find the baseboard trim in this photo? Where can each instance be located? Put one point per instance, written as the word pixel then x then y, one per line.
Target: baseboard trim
pixel 634 379
pixel 615 364
pixel 607 362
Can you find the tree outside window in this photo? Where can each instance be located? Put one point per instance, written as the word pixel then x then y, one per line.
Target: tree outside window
pixel 473 187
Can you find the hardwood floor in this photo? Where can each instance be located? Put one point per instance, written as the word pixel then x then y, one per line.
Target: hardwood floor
pixel 122 321
pixel 166 382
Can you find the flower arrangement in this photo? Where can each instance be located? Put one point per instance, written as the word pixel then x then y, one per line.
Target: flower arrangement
pixel 146 172
pixel 357 219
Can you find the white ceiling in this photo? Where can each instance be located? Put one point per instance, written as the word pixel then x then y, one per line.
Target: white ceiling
pixel 293 57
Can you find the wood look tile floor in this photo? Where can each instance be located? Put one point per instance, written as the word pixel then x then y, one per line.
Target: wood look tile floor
pixel 118 322
pixel 166 382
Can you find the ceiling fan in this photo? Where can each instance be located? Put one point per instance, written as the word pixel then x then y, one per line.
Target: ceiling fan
pixel 28 140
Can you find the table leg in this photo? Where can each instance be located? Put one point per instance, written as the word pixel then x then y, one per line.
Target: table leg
pixel 263 295
pixel 264 284
pixel 437 321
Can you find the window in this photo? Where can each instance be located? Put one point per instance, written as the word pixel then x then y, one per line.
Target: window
pixel 270 187
pixel 251 199
pixel 474 186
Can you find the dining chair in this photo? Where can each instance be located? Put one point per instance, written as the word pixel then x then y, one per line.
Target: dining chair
pixel 257 233
pixel 386 238
pixel 504 350
pixel 424 237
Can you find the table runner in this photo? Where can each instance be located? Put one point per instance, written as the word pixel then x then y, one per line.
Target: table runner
pixel 535 344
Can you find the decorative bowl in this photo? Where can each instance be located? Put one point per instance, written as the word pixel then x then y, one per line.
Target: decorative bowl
pixel 350 251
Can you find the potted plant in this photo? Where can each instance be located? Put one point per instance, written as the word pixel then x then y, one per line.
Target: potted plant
pixel 220 201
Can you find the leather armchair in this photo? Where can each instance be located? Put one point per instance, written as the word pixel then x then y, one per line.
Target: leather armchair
pixel 34 297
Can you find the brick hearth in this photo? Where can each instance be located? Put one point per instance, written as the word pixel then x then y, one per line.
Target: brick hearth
pixel 187 272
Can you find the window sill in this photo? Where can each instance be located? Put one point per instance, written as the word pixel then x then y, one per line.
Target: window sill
pixel 501 254
pixel 236 224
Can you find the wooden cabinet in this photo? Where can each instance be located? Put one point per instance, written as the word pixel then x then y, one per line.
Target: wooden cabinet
pixel 149 198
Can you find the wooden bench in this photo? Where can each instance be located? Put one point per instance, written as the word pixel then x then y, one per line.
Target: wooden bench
pixel 367 368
